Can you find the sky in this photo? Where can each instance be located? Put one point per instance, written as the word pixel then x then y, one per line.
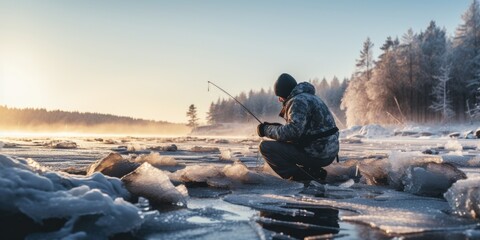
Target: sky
pixel 152 59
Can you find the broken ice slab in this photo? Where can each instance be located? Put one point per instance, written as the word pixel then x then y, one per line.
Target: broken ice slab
pixel 431 179
pixel 464 197
pixel 153 184
pixel 113 165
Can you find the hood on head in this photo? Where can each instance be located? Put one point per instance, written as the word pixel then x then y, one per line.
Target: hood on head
pixel 303 87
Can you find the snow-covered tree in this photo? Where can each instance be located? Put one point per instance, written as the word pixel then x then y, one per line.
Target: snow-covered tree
pixel 442 102
pixel 384 86
pixel 355 101
pixel 466 50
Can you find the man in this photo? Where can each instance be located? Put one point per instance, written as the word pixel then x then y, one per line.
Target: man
pixel 309 139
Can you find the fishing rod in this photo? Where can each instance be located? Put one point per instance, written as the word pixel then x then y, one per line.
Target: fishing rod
pixel 245 108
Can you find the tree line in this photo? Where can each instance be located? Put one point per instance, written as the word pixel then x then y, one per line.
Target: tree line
pixel 264 104
pixel 421 77
pixel 33 119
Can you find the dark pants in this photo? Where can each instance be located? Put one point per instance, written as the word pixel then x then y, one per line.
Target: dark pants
pixel 283 159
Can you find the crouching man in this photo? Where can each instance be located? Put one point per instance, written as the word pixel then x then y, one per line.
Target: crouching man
pixel 309 139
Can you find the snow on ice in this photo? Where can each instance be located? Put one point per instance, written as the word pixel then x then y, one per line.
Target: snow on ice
pixel 44 195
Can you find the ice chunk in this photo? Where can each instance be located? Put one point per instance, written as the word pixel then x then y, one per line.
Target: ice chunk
pixel 135 147
pixel 1 145
pixel 204 149
pixel 170 148
pixel 156 160
pixel 221 141
pixel 374 130
pixel 341 172
pixel 456 159
pixel 374 171
pixel 109 141
pixel 44 195
pixel 453 145
pixel 226 154
pixel 464 197
pixel 61 144
pixel 112 165
pixel 153 184
pixel 239 172
pixel 431 179
pixel 454 135
pixel 350 131
pixel 347 184
pixel 474 162
pixel 197 173
pixel 400 161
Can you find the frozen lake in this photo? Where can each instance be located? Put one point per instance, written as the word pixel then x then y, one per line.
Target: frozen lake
pixel 266 208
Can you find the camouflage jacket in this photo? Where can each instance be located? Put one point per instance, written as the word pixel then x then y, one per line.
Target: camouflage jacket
pixel 306 114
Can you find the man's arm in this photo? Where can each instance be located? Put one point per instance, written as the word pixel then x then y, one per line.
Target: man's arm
pixel 294 128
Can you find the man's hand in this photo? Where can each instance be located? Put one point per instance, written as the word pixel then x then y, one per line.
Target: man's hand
pixel 261 128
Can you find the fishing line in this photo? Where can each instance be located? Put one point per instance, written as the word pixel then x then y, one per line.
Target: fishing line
pixel 245 108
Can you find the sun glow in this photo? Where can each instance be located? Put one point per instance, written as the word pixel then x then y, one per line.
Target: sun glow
pixel 21 78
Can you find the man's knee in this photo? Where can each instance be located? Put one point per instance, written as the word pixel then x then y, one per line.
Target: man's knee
pixel 265 146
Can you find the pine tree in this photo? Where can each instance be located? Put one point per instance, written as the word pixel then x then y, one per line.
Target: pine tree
pixel 192 116
pixel 355 101
pixel 442 103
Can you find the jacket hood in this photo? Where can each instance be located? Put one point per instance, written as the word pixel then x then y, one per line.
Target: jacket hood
pixel 303 87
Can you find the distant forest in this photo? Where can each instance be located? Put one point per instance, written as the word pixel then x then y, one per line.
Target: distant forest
pixel 421 77
pixel 265 105
pixel 41 120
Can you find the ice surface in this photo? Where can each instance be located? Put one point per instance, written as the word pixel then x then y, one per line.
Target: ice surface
pixel 44 195
pixel 464 197
pixel 113 165
pixel 156 160
pixel 391 211
pixel 154 184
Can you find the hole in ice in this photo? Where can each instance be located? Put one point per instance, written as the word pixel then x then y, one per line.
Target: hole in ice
pixel 323 221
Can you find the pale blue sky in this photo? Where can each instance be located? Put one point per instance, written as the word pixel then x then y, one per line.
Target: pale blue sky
pixel 152 59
